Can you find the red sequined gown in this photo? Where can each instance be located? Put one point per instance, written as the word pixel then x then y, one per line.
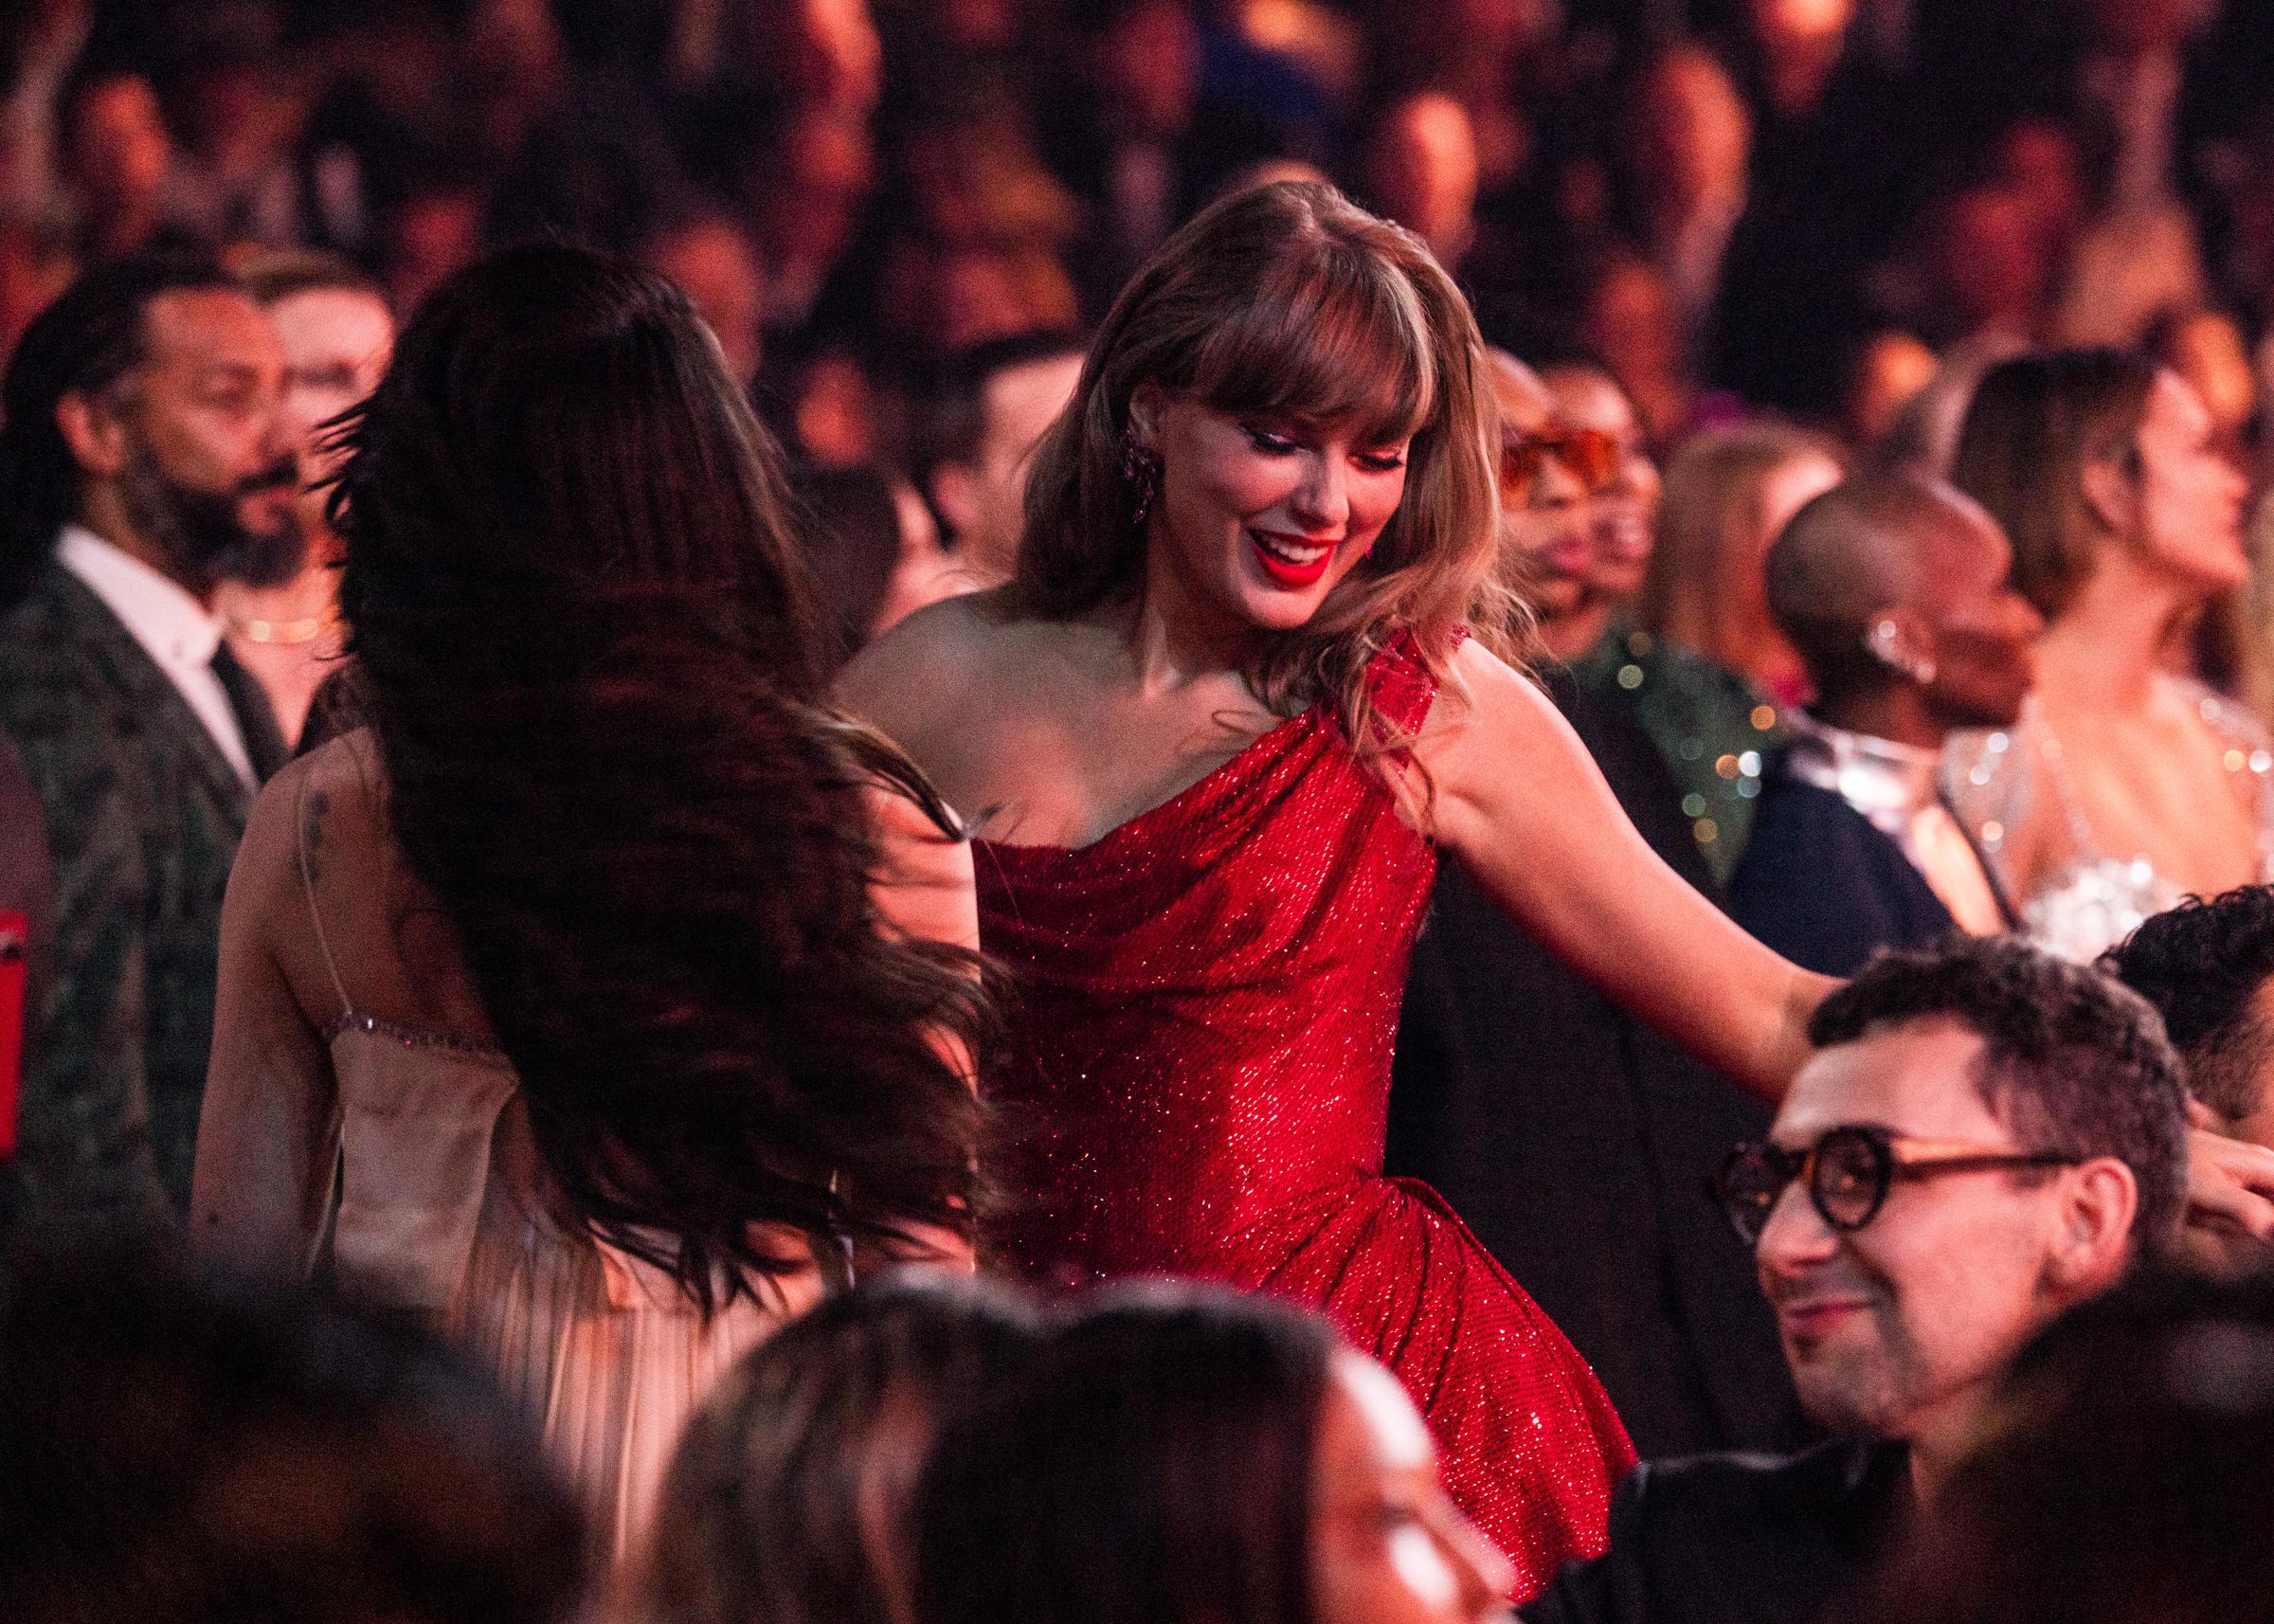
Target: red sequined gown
pixel 1209 997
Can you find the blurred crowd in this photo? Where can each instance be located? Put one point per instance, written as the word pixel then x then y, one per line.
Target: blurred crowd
pixel 1739 205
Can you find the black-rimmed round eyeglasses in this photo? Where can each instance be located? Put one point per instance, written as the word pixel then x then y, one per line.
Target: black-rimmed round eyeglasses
pixel 1847 1174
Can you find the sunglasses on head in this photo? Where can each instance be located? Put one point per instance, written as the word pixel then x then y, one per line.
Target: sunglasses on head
pixel 1847 1174
pixel 1593 457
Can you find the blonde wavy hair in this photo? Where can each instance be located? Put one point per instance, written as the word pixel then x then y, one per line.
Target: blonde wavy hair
pixel 1287 302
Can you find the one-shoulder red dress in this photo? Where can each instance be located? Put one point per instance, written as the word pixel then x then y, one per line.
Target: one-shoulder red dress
pixel 1209 995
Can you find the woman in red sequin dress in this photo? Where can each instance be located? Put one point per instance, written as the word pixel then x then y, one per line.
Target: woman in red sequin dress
pixel 1212 729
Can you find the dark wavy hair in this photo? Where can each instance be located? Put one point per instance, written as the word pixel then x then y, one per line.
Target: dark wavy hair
pixel 583 645
pixel 2202 964
pixel 790 1498
pixel 2072 1060
pixel 1153 1465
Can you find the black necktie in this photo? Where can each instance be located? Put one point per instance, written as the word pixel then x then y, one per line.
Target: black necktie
pixel 256 721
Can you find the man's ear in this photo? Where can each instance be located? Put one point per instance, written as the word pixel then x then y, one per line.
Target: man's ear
pixel 1901 640
pixel 955 495
pixel 2092 1241
pixel 92 432
pixel 2111 496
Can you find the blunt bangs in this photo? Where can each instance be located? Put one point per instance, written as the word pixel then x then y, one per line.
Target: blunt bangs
pixel 1331 338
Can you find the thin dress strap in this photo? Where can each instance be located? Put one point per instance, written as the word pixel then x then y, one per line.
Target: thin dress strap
pixel 316 914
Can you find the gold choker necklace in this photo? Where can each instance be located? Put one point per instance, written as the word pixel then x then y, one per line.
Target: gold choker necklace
pixel 288 634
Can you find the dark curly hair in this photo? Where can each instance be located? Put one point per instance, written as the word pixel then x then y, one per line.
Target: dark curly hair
pixel 583 645
pixel 2202 964
pixel 1152 1465
pixel 2074 1062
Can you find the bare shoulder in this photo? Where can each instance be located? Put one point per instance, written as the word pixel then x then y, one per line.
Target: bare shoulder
pixel 1480 694
pixel 965 684
pixel 904 676
pixel 295 813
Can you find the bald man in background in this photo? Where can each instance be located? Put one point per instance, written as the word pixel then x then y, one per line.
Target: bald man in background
pixel 1895 590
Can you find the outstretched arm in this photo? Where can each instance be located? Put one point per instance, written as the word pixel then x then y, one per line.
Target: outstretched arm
pixel 1519 800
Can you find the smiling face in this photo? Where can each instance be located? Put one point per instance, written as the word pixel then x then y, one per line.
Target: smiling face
pixel 1888 1326
pixel 1387 1546
pixel 1259 521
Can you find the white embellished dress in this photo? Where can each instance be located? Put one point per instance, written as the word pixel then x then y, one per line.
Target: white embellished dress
pixel 2090 897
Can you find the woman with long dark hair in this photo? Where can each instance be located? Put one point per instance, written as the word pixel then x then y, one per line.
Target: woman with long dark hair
pixel 1181 1454
pixel 605 995
pixel 1237 687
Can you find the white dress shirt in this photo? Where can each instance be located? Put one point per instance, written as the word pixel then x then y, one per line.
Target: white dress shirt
pixel 173 628
pixel 1898 788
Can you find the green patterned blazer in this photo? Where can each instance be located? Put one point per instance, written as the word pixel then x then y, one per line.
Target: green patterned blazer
pixel 143 815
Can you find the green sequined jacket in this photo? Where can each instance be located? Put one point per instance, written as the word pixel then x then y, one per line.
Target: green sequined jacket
pixel 1714 727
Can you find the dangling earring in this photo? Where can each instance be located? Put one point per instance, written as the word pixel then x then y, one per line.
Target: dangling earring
pixel 1141 472
pixel 1884 642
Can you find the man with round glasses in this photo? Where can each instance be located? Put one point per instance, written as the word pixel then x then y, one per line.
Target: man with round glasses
pixel 1987 1136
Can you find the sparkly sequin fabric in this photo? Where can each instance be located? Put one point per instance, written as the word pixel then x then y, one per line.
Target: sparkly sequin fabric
pixel 1210 994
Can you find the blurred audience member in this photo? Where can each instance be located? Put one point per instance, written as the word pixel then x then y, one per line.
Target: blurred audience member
pixel 338 334
pixel 146 459
pixel 875 554
pixel 1924 439
pixel 708 252
pixel 1420 171
pixel 1144 69
pixel 992 407
pixel 236 172
pixel 202 1451
pixel 804 188
pixel 1181 1454
pixel 1547 473
pixel 1895 591
pixel 2206 348
pixel 675 966
pixel 1986 1137
pixel 2123 786
pixel 1628 312
pixel 2121 1476
pixel 432 230
pixel 1891 371
pixel 792 1497
pixel 119 159
pixel 1728 496
pixel 1684 152
pixel 2206 966
pixel 1986 268
pixel 1701 665
pixel 1623 509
